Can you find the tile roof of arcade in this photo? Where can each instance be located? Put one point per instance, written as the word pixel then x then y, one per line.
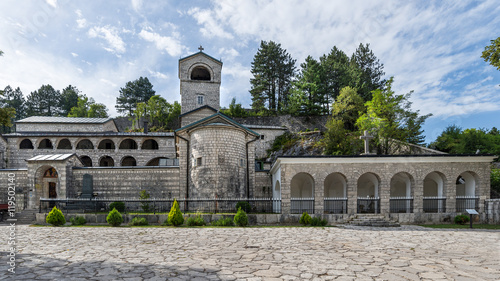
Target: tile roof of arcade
pixel 51 157
pixel 72 120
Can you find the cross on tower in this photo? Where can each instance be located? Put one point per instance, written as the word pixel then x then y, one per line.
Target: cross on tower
pixel 366 137
pixel 201 48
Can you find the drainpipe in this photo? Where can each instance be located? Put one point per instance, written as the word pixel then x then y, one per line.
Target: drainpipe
pixel 248 168
pixel 187 165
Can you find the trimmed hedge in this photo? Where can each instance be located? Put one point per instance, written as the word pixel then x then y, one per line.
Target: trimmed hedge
pixel 55 217
pixel 175 217
pixel 241 218
pixel 114 218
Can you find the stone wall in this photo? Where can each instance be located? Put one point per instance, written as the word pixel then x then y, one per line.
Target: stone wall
pixel 20 183
pixel 195 116
pixel 109 126
pixel 293 123
pixel 263 185
pixel 160 182
pixel 266 140
pixel 492 214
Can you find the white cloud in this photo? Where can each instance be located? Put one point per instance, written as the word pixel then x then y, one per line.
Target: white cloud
pixel 110 35
pixel 158 74
pixel 172 45
pixel 74 55
pixel 52 3
pixel 137 5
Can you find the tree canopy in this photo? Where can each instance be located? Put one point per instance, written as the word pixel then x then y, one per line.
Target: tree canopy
pixel 491 53
pixel 455 140
pixel 43 102
pixel 134 92
pixel 161 114
pixel 87 107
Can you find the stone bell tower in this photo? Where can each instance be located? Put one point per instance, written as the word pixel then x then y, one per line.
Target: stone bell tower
pixel 200 76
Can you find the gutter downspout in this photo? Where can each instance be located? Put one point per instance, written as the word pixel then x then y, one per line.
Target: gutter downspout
pixel 187 165
pixel 248 168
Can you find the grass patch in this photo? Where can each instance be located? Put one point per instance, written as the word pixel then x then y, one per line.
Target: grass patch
pixel 464 226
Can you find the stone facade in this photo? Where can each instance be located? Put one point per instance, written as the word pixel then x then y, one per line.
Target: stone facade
pixel 195 115
pixel 48 124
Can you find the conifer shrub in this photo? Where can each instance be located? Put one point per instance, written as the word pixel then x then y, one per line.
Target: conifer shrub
pixel 114 218
pixel 196 221
pixel 78 220
pixel 244 205
pixel 223 222
pixel 305 219
pixel 318 222
pixel 55 217
pixel 241 218
pixel 145 205
pixel 118 205
pixel 175 217
pixel 137 221
pixel 461 219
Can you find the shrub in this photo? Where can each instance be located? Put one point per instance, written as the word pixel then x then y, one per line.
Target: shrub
pixel 195 221
pixel 223 222
pixel 244 205
pixel 305 219
pixel 175 217
pixel 78 220
pixel 55 217
pixel 241 218
pixel 145 205
pixel 114 218
pixel 461 219
pixel 118 205
pixel 138 221
pixel 318 222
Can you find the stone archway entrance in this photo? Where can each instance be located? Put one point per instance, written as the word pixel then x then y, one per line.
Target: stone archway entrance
pixel 49 184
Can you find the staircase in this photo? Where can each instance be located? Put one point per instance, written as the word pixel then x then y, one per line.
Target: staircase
pixel 26 217
pixel 374 220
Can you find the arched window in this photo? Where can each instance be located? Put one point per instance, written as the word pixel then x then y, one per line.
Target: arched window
pixel 106 161
pixel 149 144
pixel 26 144
pixel 87 162
pixel 64 144
pixel 106 144
pixel 45 144
pixel 157 161
pixel 200 73
pixel 85 144
pixel 128 161
pixel 128 144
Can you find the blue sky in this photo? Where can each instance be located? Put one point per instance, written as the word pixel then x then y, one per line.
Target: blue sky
pixel 431 47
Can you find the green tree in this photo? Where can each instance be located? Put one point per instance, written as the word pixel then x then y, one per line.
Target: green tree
pixel 161 114
pixel 69 99
pixel 15 99
pixel 495 182
pixel 175 217
pixel 339 72
pixel 454 140
pixel 371 71
pixel 134 92
pixel 87 107
pixel 491 53
pixel 387 117
pixel 273 70
pixel 235 110
pixel 43 102
pixel 347 107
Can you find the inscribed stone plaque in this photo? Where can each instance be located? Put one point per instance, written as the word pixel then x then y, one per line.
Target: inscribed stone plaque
pixel 87 186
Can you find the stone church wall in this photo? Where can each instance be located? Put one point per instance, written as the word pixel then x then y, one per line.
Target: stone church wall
pixel 69 127
pixel 21 183
pixel 160 182
pixel 263 185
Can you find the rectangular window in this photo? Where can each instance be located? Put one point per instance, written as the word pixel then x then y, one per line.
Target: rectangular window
pixel 198 161
pixel 200 100
pixel 261 137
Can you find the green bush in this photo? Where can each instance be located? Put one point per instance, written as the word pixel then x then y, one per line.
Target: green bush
pixel 318 222
pixel 305 219
pixel 138 221
pixel 461 219
pixel 175 217
pixel 223 222
pixel 114 218
pixel 78 220
pixel 118 205
pixel 145 205
pixel 241 218
pixel 244 205
pixel 55 217
pixel 195 221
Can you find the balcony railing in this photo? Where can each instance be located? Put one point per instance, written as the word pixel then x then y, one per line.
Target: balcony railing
pixel 301 205
pixel 368 205
pixel 401 204
pixel 335 205
pixel 434 204
pixel 467 202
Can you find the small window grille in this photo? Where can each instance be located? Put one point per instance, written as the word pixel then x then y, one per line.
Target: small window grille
pixel 200 100
pixel 198 161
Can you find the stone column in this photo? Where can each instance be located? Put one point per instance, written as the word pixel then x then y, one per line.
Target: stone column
pixel 352 194
pixel 319 194
pixel 418 195
pixel 451 194
pixel 384 194
pixel 285 192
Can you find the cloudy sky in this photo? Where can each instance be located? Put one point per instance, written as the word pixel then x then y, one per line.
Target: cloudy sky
pixel 432 48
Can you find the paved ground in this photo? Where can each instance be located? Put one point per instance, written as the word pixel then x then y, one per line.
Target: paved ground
pixel 406 253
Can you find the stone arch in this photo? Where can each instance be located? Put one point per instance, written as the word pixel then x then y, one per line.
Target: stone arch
pixel 368 185
pixel 402 185
pixel 149 144
pixel 128 144
pixel 466 184
pixel 26 144
pixel 434 185
pixel 47 185
pixel 128 161
pixel 335 186
pixel 200 73
pixel 155 161
pixel 64 144
pixel 86 160
pixel 85 144
pixel 302 186
pixel 45 144
pixel 106 161
pixel 106 144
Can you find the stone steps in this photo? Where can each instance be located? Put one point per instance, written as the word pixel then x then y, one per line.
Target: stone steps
pixel 373 220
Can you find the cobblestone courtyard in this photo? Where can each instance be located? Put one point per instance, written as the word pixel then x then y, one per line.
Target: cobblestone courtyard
pixel 406 253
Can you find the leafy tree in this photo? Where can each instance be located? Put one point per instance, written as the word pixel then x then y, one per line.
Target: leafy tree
pixel 87 107
pixel 387 117
pixel 134 92
pixel 495 182
pixel 69 99
pixel 161 114
pixel 272 69
pixel 347 107
pixel 235 110
pixel 454 140
pixel 43 102
pixel 339 72
pixel 370 71
pixel 491 53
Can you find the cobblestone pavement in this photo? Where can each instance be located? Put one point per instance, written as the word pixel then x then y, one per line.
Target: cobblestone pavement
pixel 294 253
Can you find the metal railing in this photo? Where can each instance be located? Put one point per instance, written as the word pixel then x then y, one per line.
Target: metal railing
pixel 467 202
pixel 368 205
pixel 401 204
pixel 335 205
pixel 301 205
pixel 156 205
pixel 434 204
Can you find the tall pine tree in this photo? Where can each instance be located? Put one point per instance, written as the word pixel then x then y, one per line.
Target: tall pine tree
pixel 134 92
